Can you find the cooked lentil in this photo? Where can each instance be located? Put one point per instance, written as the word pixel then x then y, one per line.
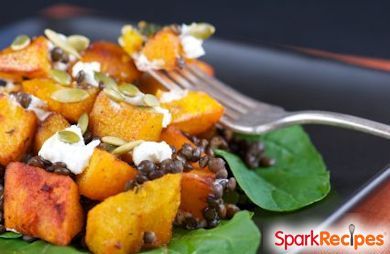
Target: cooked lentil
pixel 149 237
pixel 23 99
pixel 58 55
pixel 231 210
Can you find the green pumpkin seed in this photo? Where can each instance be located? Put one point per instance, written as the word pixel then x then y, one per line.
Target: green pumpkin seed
pixel 61 77
pixel 106 80
pixel 60 42
pixel 83 122
pixel 107 147
pixel 113 140
pixel 151 100
pixel 114 95
pixel 68 137
pixel 70 95
pixel 20 42
pixel 201 30
pixel 126 147
pixel 78 42
pixel 129 89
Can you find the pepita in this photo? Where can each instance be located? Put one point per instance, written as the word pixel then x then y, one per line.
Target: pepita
pixel 106 80
pixel 201 30
pixel 83 122
pixel 126 147
pixel 62 77
pixel 113 140
pixel 151 100
pixel 78 42
pixel 107 147
pixel 129 89
pixel 70 95
pixel 68 137
pixel 114 95
pixel 20 42
pixel 61 41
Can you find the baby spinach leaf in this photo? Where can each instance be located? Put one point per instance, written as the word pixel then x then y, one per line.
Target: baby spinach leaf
pixel 299 177
pixel 10 235
pixel 18 246
pixel 239 235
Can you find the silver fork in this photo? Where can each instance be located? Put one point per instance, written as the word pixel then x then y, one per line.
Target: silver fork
pixel 246 115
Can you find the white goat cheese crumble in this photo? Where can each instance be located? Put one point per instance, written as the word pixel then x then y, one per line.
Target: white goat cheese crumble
pixel 76 156
pixel 144 64
pixel 192 46
pixel 39 107
pixel 89 69
pixel 153 151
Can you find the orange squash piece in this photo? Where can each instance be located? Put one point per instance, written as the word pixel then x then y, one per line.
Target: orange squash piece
pixel 105 176
pixel 194 113
pixel 117 225
pixel 53 123
pixel 131 40
pixel 31 62
pixel 41 204
pixel 17 129
pixel 44 88
pixel 113 60
pixel 165 46
pixel 197 184
pixel 123 120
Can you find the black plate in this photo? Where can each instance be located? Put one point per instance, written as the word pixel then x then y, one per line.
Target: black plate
pixel 294 81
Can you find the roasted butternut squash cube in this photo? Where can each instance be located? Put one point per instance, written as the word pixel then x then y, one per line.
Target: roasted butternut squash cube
pixel 131 40
pixel 128 122
pixel 164 46
pixel 113 60
pixel 160 206
pixel 41 204
pixel 44 88
pixel 17 129
pixel 197 184
pixel 31 62
pixel 52 124
pixel 194 113
pixel 105 176
pixel 118 223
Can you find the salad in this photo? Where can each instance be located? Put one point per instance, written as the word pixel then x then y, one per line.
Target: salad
pixel 97 156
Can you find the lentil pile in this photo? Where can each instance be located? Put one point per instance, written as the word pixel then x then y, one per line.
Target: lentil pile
pixel 251 152
pixel 201 151
pixel 57 168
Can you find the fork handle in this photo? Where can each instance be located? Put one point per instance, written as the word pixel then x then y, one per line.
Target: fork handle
pixel 333 119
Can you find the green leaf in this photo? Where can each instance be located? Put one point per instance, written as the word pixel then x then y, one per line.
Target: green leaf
pixel 18 246
pixel 239 235
pixel 299 177
pixel 10 235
